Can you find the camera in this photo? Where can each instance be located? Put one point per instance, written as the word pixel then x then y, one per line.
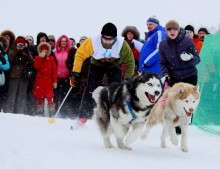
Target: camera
pixel 187 31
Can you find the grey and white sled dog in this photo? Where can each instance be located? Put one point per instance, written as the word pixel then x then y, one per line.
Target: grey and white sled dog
pixel 174 108
pixel 123 106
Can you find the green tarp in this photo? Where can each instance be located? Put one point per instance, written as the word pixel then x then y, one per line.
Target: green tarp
pixel 207 115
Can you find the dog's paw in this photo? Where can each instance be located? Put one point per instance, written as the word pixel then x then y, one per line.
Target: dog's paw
pixel 109 146
pixel 132 138
pixel 184 149
pixel 124 147
pixel 163 145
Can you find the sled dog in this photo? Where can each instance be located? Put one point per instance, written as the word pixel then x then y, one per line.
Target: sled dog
pixel 127 105
pixel 174 108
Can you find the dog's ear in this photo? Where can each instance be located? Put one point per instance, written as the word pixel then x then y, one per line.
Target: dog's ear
pixel 196 89
pixel 181 89
pixel 163 79
pixel 131 82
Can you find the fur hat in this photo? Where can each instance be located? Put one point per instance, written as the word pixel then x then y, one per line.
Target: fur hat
pixel 204 30
pixel 11 34
pixel 153 20
pixel 109 29
pixel 44 45
pixel 133 30
pixel 172 24
pixel 5 42
pixel 20 39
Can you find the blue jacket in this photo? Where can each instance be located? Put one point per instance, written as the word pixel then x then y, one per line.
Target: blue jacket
pixel 5 66
pixel 170 60
pixel 149 60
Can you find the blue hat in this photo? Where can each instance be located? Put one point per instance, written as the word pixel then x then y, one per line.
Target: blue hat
pixel 153 20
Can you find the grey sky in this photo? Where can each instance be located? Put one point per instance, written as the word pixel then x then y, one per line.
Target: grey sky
pixel 77 18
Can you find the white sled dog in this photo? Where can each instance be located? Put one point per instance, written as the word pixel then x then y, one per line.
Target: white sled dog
pixel 174 108
pixel 121 106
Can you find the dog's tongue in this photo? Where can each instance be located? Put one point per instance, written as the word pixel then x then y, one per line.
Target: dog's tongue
pixel 187 113
pixel 151 97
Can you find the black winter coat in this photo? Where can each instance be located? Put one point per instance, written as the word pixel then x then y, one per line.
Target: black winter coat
pixel 170 60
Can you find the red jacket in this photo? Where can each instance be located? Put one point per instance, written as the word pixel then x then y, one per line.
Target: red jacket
pixel 46 69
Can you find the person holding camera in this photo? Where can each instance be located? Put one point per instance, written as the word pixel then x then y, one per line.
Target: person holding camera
pixel 190 33
pixel 20 58
pixel 4 66
pixel 4 62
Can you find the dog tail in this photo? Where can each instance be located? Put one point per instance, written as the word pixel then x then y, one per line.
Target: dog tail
pixel 101 110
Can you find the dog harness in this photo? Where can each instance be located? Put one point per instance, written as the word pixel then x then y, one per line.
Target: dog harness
pixel 162 100
pixel 133 115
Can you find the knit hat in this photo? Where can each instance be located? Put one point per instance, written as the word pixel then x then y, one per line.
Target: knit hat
pixel 82 38
pixel 172 24
pixel 204 30
pixel 20 39
pixel 51 37
pixel 153 20
pixel 190 28
pixel 109 29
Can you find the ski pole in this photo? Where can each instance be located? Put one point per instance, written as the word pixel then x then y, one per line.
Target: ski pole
pixel 52 120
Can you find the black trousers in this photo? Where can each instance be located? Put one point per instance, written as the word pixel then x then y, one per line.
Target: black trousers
pixel 191 80
pixel 95 79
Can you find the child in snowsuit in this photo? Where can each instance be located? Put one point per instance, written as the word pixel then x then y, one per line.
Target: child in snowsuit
pixel 46 78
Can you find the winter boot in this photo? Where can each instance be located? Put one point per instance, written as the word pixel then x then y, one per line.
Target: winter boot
pixel 40 110
pixel 51 109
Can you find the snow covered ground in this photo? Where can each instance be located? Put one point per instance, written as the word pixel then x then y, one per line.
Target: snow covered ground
pixel 32 143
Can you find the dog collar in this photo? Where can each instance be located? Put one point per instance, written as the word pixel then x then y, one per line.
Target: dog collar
pixel 133 115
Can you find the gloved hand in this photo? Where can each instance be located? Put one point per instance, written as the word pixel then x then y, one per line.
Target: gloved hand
pixel 186 56
pixel 42 54
pixel 74 79
pixel 166 79
pixel 54 85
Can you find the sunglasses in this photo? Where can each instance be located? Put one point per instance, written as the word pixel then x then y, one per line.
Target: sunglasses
pixel 170 29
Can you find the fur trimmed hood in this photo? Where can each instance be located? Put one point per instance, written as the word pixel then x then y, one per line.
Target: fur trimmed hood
pixel 132 29
pixel 11 34
pixel 44 44
pixel 5 43
pixel 58 43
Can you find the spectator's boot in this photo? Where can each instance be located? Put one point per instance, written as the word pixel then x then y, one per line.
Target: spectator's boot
pixel 40 110
pixel 52 110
